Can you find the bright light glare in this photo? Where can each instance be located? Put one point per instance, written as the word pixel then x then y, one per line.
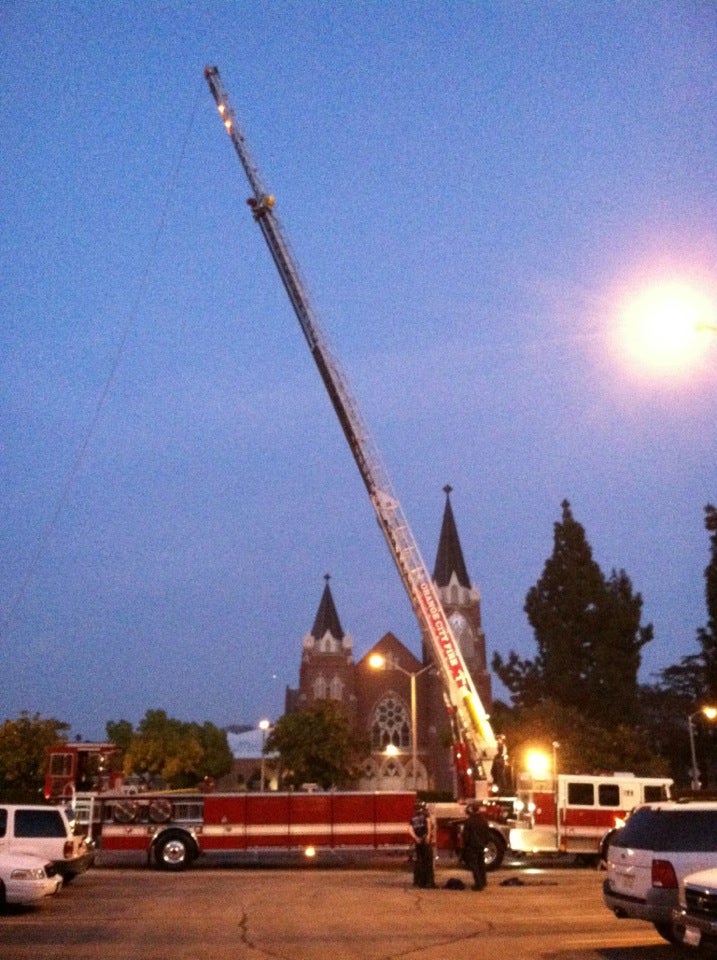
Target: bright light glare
pixel 666 327
pixel 537 764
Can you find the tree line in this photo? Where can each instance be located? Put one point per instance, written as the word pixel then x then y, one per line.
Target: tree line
pixel 580 691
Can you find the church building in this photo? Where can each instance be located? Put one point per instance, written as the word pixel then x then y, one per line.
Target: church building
pixel 379 702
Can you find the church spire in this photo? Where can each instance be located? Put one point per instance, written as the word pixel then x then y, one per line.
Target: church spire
pixel 327 619
pixel 449 557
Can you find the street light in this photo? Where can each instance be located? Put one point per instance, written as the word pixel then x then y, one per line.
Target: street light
pixel 378 662
pixel 710 713
pixel 264 725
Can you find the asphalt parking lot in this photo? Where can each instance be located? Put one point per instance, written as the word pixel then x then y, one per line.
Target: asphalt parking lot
pixel 230 913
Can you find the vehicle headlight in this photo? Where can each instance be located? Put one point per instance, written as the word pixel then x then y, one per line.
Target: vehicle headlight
pixel 28 873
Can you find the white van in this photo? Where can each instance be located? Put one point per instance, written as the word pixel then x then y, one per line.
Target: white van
pixel 46 832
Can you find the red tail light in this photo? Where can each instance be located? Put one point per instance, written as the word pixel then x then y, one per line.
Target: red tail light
pixel 68 849
pixel 663 875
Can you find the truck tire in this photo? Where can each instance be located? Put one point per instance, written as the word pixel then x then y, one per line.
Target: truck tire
pixel 174 850
pixel 494 851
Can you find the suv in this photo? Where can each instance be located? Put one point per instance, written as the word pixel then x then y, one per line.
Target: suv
pixel 648 859
pixel 695 922
pixel 45 831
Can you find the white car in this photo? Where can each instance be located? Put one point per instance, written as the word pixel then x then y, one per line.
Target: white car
pixel 648 860
pixel 26 879
pixel 695 920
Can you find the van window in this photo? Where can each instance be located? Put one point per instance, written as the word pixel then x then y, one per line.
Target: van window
pixel 581 794
pixel 39 823
pixel 654 793
pixel 3 822
pixel 669 831
pixel 608 795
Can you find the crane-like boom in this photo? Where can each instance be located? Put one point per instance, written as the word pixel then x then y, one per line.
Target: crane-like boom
pixel 471 726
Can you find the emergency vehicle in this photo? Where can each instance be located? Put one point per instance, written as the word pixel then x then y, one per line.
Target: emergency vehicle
pixel 82 766
pixel 172 829
pixel 571 813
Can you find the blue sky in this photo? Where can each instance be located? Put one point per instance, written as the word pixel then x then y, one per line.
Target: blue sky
pixel 474 191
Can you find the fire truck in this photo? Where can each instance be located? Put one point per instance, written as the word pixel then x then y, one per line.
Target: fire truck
pixel 475 745
pixel 172 829
pixel 82 766
pixel 571 813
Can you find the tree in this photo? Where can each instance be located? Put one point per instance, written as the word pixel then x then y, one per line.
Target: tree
pixel 24 743
pixel 181 753
pixel 317 745
pixel 692 682
pixel 120 733
pixel 707 636
pixel 588 633
pixel 584 746
pixel 217 757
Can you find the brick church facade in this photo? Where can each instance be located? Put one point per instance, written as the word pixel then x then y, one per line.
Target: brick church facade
pixel 379 701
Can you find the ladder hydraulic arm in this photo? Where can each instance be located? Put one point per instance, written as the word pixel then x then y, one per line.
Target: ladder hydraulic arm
pixel 471 726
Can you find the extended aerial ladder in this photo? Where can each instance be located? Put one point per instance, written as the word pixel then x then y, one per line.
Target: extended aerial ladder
pixel 474 741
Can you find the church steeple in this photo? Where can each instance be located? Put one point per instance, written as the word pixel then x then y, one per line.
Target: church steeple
pixel 327 619
pixel 327 663
pixel 461 601
pixel 449 557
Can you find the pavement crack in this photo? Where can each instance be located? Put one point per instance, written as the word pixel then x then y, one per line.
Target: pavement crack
pixel 244 928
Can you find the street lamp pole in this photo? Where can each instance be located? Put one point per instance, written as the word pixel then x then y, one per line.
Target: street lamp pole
pixel 710 713
pixel 263 726
pixel 379 662
pixel 694 772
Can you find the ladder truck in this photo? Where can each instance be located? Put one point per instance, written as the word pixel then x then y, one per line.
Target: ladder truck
pixel 475 744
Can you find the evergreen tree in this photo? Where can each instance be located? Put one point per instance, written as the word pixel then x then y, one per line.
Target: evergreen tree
pixel 588 634
pixel 692 682
pixel 707 636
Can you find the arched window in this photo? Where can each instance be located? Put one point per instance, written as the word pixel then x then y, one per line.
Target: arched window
pixel 391 724
pixel 392 770
pixel 336 689
pixel 327 643
pixel 320 688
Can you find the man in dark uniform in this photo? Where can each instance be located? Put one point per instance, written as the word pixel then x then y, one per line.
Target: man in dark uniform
pixel 421 830
pixel 476 835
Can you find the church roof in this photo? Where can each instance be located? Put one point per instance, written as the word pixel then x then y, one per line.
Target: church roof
pixel 449 556
pixel 327 619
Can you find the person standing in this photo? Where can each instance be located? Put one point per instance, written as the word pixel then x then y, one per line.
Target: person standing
pixel 476 835
pixel 421 830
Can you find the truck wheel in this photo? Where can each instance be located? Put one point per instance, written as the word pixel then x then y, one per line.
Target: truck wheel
pixel 494 851
pixel 174 851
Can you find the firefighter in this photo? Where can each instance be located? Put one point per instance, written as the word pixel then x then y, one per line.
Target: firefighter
pixel 422 833
pixel 476 835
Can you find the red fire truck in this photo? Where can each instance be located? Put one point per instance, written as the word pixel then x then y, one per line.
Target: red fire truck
pixel 572 813
pixel 172 828
pixel 84 766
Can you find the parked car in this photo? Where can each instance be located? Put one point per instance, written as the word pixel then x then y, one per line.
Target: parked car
pixel 695 920
pixel 647 859
pixel 45 832
pixel 26 879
